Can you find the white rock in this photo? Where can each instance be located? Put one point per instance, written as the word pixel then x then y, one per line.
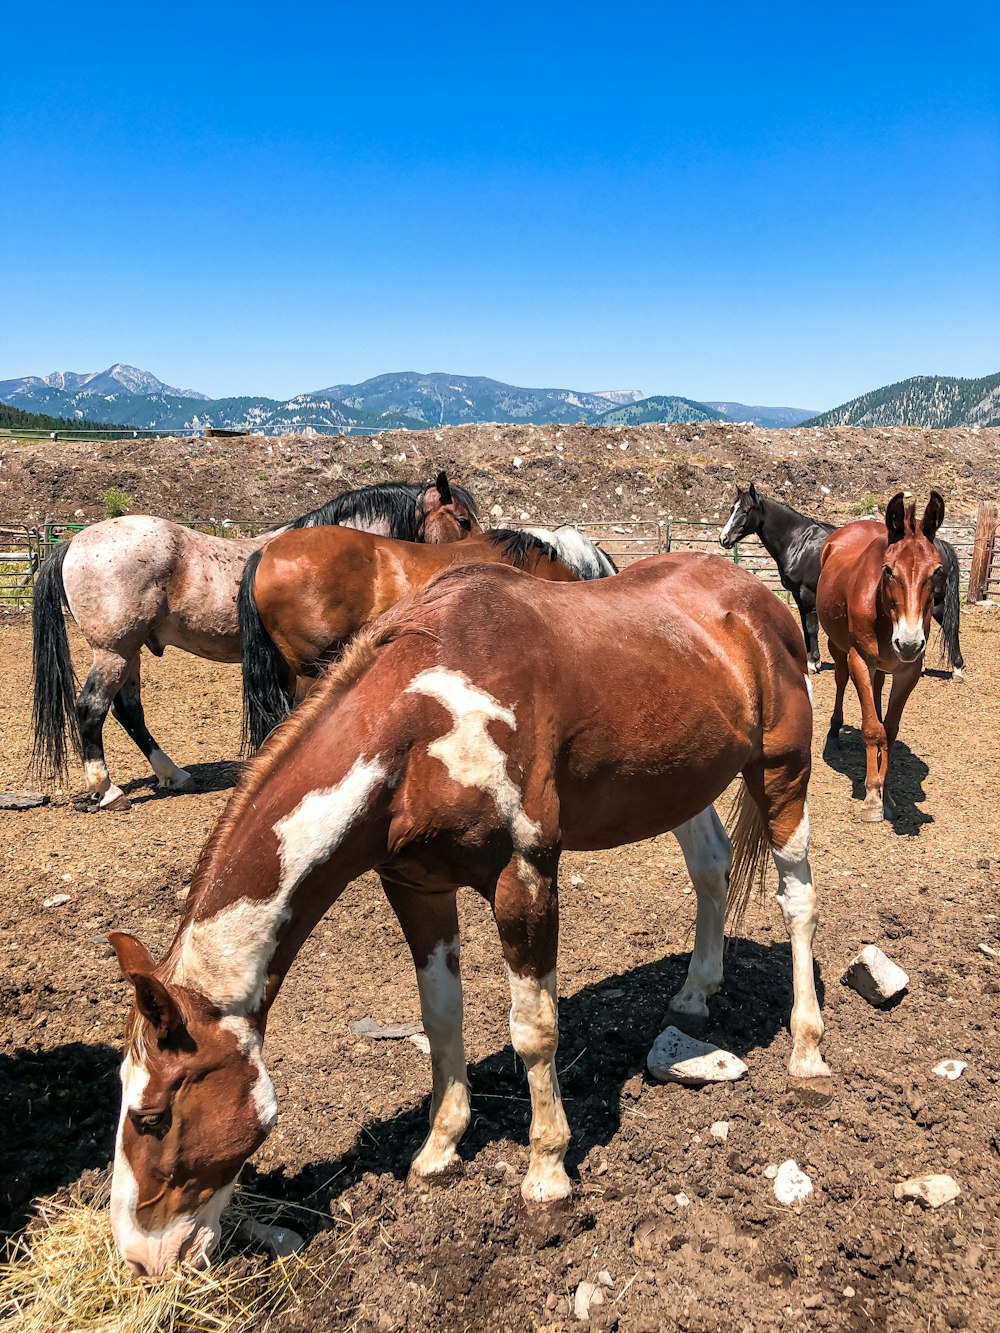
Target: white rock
pixel 791 1184
pixel 58 900
pixel 950 1069
pixel 678 1058
pixel 682 1200
pixel 605 1278
pixel 770 1171
pixel 875 977
pixel 930 1190
pixel 516 462
pixel 496 511
pixel 990 953
pixel 720 1130
pixel 587 1294
pixel 419 1040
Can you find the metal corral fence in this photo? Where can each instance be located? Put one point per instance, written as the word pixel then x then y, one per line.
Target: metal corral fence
pixel 22 547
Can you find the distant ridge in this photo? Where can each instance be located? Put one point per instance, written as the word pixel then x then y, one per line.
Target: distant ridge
pixel 931 401
pixel 771 418
pixel 15 419
pixel 664 408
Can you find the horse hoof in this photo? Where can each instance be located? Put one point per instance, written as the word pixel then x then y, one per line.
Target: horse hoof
pixel 958 676
pixel 815 668
pixel 816 1091
pixel 183 782
pixel 426 1179
pixel 116 800
pixel 695 1025
pixel 871 814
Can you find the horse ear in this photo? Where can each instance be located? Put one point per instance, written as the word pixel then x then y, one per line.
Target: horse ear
pixel 152 997
pixel 752 490
pixel 895 518
pixel 444 488
pixel 933 515
pixel 133 956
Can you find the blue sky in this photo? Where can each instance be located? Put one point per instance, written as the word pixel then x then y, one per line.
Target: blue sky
pixel 775 204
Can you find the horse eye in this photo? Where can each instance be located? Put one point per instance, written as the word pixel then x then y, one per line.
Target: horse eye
pixel 887 572
pixel 465 524
pixel 152 1122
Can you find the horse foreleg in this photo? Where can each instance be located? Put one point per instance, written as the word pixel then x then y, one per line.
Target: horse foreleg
pixel 904 681
pixel 708 854
pixel 873 734
pixel 99 691
pixel 841 676
pixel 526 910
pixel 127 707
pixel 430 924
pixel 810 631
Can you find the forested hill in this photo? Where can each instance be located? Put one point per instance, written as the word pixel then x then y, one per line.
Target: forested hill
pixel 934 401
pixel 15 418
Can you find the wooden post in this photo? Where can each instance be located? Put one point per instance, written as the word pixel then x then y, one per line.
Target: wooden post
pixel 982 550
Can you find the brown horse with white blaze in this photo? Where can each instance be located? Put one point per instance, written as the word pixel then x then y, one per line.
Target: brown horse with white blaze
pixel 876 593
pixel 465 739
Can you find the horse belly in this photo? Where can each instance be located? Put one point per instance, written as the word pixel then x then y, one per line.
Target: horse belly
pixel 633 802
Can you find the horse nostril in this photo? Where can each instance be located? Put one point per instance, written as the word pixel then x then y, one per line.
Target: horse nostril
pixel 136 1267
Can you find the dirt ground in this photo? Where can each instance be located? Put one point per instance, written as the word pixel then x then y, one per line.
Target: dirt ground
pixel 687 1229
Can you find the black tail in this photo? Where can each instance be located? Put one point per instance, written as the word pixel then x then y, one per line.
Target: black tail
pixel 951 652
pixel 53 709
pixel 265 699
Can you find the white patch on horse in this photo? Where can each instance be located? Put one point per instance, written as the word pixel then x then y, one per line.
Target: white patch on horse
pixel 469 753
pixel 167 771
pixel 225 956
pixel 576 550
pixel 797 847
pixel 729 523
pixel 809 688
pixel 265 1099
pixel 534 1031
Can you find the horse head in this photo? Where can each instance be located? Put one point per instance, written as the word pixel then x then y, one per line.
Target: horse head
pixel 196 1103
pixel 912 573
pixel 444 517
pixel 744 520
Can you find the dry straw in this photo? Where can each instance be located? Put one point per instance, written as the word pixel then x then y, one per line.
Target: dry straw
pixel 64 1276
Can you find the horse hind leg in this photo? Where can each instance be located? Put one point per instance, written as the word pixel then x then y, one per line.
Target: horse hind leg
pixel 708 854
pixel 128 710
pixel 99 692
pixel 777 784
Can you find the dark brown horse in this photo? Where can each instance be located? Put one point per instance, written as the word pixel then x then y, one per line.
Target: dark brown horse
pixel 466 739
pixel 876 592
pixel 307 593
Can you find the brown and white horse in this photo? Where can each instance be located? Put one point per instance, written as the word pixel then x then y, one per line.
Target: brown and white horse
pixel 466 739
pixel 139 581
pixel 876 593
pixel 306 594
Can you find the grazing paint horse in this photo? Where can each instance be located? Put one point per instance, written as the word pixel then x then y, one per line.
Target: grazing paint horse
pixel 466 738
pixel 139 581
pixel 307 593
pixel 794 543
pixel 877 587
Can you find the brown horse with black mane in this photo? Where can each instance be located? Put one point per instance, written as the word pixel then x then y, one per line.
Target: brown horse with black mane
pixel 466 739
pixel 307 593
pixel 876 592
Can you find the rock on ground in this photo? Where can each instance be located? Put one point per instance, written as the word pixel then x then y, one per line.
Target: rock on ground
pixel 875 976
pixel 677 1058
pixel 930 1190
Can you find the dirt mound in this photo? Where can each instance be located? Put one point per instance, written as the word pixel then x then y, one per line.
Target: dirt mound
pixel 537 472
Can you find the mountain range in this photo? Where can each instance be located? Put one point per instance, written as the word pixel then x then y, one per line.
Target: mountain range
pixel 125 396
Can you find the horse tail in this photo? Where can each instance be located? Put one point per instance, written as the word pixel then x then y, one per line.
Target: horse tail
pixel 951 653
pixel 265 700
pixel 53 709
pixel 751 844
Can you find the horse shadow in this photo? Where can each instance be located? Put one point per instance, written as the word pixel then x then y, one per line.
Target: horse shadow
pixel 59 1109
pixel 907 772
pixel 606 1030
pixel 217 775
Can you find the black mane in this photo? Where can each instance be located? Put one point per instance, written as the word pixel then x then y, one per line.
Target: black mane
pixel 519 546
pixel 395 502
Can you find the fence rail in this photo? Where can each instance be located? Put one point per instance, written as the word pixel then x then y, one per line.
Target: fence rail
pixel 24 546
